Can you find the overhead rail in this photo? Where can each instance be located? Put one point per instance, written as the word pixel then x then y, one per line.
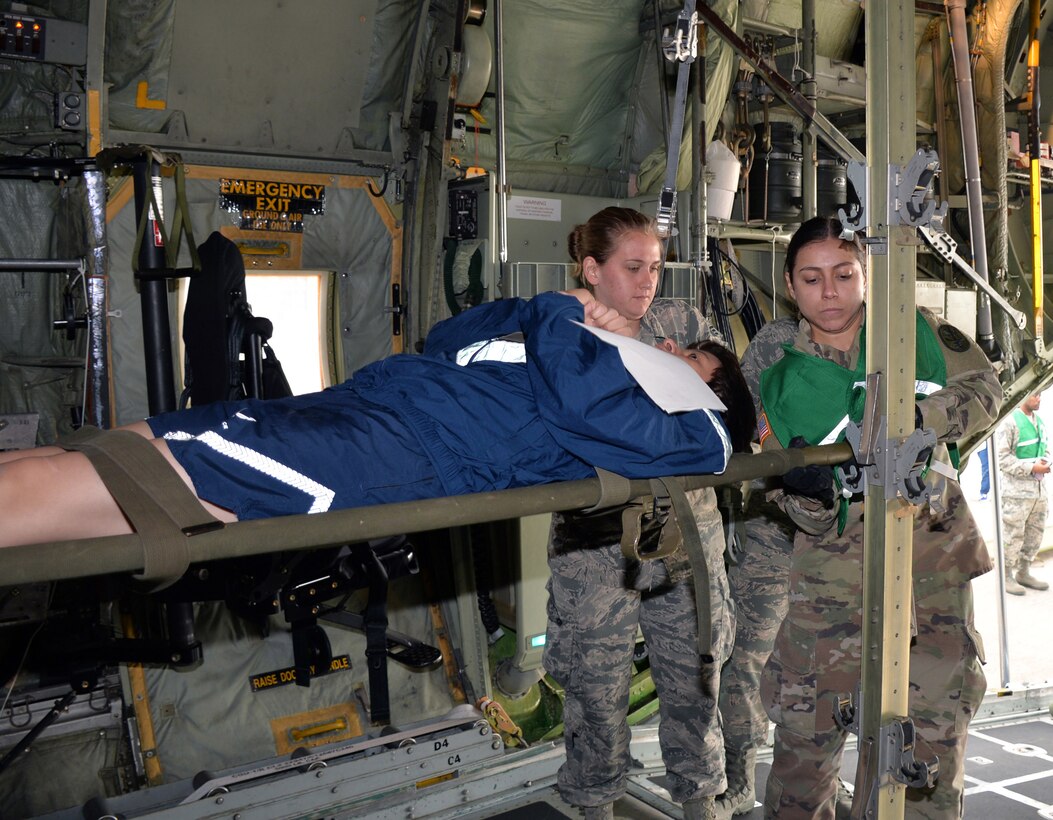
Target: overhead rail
pixel 123 553
pixel 782 88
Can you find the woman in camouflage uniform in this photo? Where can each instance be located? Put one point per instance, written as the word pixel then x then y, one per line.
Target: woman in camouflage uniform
pixel 598 599
pixel 817 652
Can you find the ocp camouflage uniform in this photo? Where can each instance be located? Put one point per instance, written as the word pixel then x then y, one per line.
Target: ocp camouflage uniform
pixel 597 601
pixel 1024 503
pixel 760 580
pixel 817 652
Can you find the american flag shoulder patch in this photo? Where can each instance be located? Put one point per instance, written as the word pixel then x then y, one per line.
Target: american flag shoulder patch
pixel 763 428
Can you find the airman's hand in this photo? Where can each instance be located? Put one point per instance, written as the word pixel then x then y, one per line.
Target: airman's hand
pixel 607 318
pixel 599 315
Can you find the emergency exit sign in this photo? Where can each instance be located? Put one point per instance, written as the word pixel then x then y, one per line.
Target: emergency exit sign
pixel 267 205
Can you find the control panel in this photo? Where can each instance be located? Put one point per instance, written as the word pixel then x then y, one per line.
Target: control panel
pixel 43 39
pixel 464 213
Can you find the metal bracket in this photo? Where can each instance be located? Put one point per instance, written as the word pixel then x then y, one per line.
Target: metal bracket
pixel 895 754
pixel 682 45
pixel 649 530
pixel 908 189
pixel 946 247
pixel 855 218
pixel 846 715
pixel 895 764
pixel 896 466
pixel 665 216
pixel 910 186
pixel 893 464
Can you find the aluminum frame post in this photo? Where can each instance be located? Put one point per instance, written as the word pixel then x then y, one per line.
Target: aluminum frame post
pixel 888 522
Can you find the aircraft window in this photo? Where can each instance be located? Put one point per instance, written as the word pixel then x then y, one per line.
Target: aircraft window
pixel 299 304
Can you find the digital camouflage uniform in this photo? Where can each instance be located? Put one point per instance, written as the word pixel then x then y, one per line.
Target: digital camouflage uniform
pixel 816 655
pixel 1024 502
pixel 597 601
pixel 760 580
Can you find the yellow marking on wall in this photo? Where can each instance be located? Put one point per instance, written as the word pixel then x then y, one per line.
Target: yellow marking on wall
pixel 326 725
pixel 142 98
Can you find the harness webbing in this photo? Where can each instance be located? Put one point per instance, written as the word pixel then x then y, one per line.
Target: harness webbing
pixel 161 508
pixel 696 555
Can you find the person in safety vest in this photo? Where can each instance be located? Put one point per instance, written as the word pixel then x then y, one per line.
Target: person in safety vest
pixel 531 397
pixel 1023 462
pixel 599 600
pixel 760 585
pixel 808 398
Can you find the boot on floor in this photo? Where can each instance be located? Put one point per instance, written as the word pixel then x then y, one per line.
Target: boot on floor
pixel 701 808
pixel 1011 585
pixel 1025 578
pixel 741 793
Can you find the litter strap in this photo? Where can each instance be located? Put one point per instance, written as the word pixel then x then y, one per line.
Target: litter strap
pixel 161 508
pixel 696 555
pixel 615 490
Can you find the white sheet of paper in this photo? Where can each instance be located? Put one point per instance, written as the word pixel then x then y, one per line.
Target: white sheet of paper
pixel 671 382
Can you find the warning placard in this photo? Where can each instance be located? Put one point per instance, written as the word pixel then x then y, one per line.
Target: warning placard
pixel 264 205
pixel 283 677
pixel 535 207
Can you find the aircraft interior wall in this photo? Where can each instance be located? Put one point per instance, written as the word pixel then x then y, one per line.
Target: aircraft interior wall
pixel 360 103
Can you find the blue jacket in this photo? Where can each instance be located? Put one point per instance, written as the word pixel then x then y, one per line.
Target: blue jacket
pixel 411 427
pixel 570 407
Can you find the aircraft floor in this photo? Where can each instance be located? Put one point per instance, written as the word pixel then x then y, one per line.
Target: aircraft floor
pixel 1008 774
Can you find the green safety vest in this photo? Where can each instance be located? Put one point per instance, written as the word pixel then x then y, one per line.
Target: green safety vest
pixel 1032 442
pixel 815 398
pixel 806 396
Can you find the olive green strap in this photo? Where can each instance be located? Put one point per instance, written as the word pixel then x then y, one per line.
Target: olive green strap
pixel 180 223
pixel 161 508
pixel 685 520
pixel 615 490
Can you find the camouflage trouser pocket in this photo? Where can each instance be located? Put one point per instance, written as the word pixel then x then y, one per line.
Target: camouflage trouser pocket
pixel 974 682
pixel 788 683
pixel 557 657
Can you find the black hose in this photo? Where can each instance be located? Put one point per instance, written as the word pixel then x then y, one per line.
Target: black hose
pixel 24 744
pixel 483 577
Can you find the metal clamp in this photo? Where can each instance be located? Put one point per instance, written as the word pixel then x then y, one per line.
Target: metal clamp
pixel 896 465
pixel 682 45
pixel 647 531
pixel 911 186
pixel 845 713
pixel 894 761
pixel 897 756
pixel 855 217
pixel 666 213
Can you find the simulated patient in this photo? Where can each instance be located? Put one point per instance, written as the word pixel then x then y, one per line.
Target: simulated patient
pixel 507 394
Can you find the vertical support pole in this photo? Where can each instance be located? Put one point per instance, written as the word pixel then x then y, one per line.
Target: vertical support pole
pixel 153 291
pixel 502 165
pixel 963 77
pixel 157 347
pixel 699 205
pixel 1034 140
pixel 891 139
pixel 94 80
pixel 1003 615
pixel 809 184
pixel 100 403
